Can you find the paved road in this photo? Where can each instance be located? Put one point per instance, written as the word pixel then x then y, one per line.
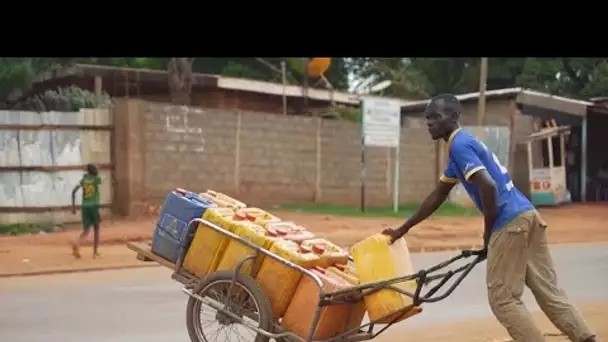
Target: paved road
pixel 145 305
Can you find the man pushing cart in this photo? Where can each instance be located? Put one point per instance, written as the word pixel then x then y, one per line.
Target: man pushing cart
pixel 514 239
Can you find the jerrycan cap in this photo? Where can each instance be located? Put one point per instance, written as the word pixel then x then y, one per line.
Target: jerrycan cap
pixel 318 249
pixel 304 250
pixel 240 216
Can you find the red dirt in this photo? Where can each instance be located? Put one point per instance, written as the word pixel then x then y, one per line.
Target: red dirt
pixel 573 223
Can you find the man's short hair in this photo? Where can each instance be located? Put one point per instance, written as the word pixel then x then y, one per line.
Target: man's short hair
pixel 446 104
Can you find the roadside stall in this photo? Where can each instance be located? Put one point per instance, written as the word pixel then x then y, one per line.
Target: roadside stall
pixel 548 184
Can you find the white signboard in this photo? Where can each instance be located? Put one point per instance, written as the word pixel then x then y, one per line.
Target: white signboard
pixel 381 122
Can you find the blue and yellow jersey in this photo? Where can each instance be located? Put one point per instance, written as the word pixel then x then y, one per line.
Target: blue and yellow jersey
pixel 468 155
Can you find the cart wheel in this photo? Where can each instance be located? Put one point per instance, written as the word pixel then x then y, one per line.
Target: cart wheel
pixel 246 300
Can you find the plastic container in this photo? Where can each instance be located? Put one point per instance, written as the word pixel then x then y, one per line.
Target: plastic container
pixel 279 281
pixel 329 253
pixel 208 245
pixel 171 239
pixel 358 310
pixel 377 260
pixel 236 251
pixel 333 320
pixel 289 231
pixel 223 200
pixel 258 215
pixel 222 217
pixel 346 272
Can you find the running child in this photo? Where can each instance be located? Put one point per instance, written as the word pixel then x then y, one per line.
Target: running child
pixel 90 209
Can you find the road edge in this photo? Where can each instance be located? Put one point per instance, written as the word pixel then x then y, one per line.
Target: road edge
pixel 75 270
pixel 421 249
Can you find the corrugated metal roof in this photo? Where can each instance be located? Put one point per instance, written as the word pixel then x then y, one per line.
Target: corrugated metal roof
pixel 222 82
pixel 524 96
pixel 490 94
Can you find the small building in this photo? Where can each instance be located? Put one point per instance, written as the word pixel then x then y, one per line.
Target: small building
pixel 208 91
pixel 504 107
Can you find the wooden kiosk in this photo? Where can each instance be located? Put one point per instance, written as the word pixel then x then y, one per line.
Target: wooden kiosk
pixel 548 184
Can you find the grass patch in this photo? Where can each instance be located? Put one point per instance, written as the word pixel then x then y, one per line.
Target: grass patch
pixel 25 228
pixel 446 209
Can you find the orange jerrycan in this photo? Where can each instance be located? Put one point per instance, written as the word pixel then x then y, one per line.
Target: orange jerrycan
pixel 328 252
pixel 279 281
pixel 358 310
pixel 334 319
pixel 377 260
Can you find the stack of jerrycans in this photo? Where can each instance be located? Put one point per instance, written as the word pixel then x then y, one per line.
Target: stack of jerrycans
pixel 171 237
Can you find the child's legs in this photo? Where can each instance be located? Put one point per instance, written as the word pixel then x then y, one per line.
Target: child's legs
pixel 87 222
pixel 95 219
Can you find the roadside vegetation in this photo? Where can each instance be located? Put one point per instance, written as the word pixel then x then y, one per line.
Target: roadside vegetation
pixel 447 209
pixel 26 228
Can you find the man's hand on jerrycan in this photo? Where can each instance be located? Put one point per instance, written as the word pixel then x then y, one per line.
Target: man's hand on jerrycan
pixel 394 233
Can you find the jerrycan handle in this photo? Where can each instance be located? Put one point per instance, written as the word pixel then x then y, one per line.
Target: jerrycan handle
pixel 193 196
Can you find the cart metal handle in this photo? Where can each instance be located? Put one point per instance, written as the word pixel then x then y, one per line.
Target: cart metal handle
pixel 422 277
pixel 425 278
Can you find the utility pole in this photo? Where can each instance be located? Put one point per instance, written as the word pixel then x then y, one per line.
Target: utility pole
pixel 481 105
pixel 284 81
pixel 305 84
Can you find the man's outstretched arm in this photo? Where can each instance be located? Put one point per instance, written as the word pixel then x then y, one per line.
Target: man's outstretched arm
pixel 428 206
pixel 74 197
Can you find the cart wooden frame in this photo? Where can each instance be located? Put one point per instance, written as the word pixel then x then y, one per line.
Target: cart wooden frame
pixel 269 328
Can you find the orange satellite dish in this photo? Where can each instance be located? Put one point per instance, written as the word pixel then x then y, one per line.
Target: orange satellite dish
pixel 317 66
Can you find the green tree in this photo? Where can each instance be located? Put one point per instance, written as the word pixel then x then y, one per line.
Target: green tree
pixel 423 77
pixel 68 99
pixel 269 69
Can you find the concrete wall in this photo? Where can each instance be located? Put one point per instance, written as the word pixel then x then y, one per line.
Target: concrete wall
pixel 44 156
pixel 260 158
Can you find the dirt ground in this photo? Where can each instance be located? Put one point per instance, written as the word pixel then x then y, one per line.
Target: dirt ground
pixel 489 330
pixel 47 252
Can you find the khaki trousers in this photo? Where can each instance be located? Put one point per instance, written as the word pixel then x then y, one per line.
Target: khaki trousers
pixel 518 254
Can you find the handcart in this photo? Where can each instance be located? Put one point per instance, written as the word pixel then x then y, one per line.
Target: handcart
pixel 240 303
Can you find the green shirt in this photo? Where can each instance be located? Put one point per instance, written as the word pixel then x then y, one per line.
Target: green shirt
pixel 90 190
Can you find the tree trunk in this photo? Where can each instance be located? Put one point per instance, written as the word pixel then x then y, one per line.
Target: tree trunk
pixel 179 71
